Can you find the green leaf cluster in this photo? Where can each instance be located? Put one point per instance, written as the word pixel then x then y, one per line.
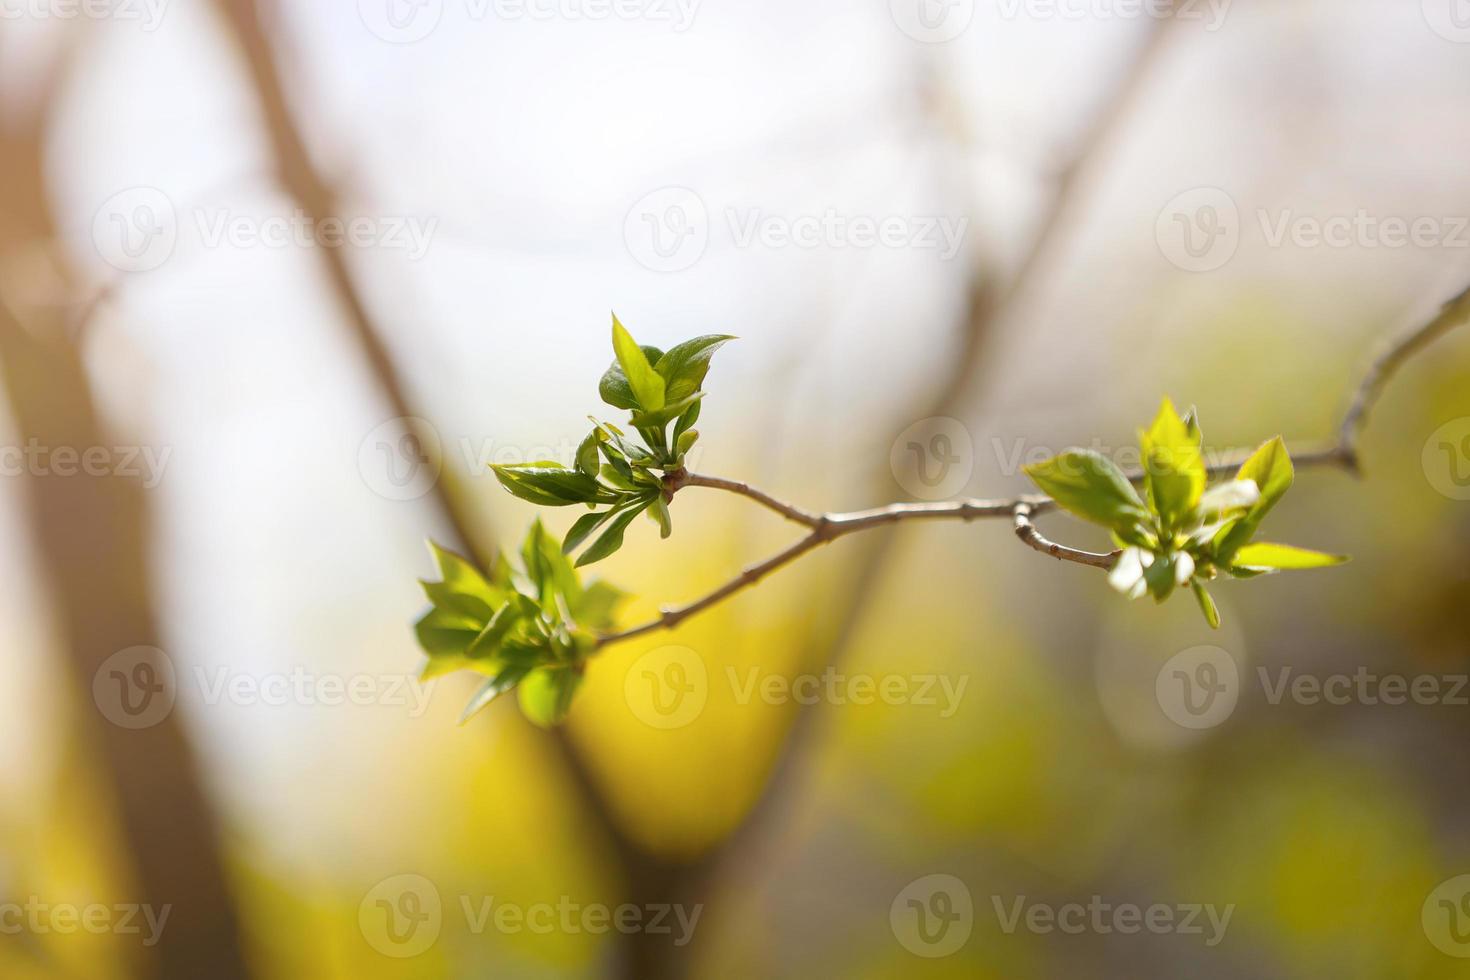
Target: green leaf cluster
pixel 616 475
pixel 529 630
pixel 1178 532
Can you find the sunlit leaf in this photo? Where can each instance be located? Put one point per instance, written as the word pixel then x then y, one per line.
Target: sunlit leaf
pixel 549 484
pixel 1173 465
pixel 685 365
pixel 492 689
pixel 1270 468
pixel 588 458
pixel 1089 485
pixel 612 538
pixel 647 384
pixel 1284 557
pixel 1206 604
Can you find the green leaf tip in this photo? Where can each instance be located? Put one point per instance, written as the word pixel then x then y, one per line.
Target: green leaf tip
pixel 512 626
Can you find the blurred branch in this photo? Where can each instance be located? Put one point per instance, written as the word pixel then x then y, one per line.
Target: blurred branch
pixel 92 540
pixel 91 535
pixel 1384 367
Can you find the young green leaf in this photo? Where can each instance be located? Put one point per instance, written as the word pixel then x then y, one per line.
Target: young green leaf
pixel 588 458
pixel 546 694
pixel 549 484
pixel 492 689
pixel 441 632
pixel 487 643
pixel 1174 466
pixel 612 538
pixel 460 575
pixel 470 608
pixel 1089 485
pixel 646 383
pixel 548 567
pixel 1206 604
pixel 1271 470
pixel 686 441
pixel 659 511
pixel 1160 577
pixel 685 365
pixel 662 417
pixel 620 475
pixel 583 529
pixel 687 420
pixel 1269 467
pixel 614 388
pixel 1263 555
pixel 598 604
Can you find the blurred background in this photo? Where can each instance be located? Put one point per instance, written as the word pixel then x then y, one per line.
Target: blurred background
pixel 278 280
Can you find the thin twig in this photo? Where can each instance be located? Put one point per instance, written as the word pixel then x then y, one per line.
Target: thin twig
pixel 1020 510
pixel 1027 532
pixel 786 510
pixel 1451 315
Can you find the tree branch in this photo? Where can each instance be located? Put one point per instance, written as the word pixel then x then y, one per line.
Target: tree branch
pixel 786 510
pixel 1027 532
pixel 1020 510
